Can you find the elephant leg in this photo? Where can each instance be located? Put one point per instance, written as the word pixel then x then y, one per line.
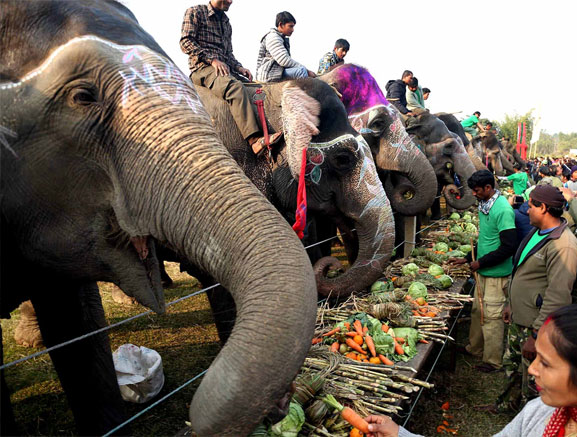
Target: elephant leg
pixel 221 303
pixel 85 367
pixel 7 424
pixel 399 236
pixel 27 333
pixel 326 228
pixel 166 279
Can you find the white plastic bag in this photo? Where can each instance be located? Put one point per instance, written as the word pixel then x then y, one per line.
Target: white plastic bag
pixel 139 372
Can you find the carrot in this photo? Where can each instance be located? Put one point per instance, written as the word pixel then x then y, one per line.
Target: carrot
pixel 348 414
pixel 416 313
pixel 374 360
pixel 348 326
pixel 355 433
pixel 422 340
pixel 365 330
pixel 399 349
pixel 371 345
pixel 431 314
pixel 400 340
pixel 358 327
pixel 335 346
pixel 354 346
pixel 394 278
pixel 351 355
pixel 386 361
pixel 445 406
pixel 358 339
pixel 332 332
pixel 351 334
pixel 385 327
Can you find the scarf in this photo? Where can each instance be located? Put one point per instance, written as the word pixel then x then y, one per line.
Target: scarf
pixel 486 205
pixel 560 417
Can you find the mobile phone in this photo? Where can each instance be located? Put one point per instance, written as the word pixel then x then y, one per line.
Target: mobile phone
pixel 519 199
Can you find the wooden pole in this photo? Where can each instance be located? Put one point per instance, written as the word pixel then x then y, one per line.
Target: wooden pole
pixel 479 290
pixel 410 235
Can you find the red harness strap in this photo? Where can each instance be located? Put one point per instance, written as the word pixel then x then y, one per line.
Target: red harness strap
pixel 260 109
pixel 301 212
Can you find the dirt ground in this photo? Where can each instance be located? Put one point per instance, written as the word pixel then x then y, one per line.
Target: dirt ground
pixel 186 339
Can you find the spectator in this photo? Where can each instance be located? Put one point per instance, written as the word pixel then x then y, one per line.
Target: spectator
pixel 206 38
pixel 470 123
pixel 414 95
pixel 397 93
pixel 522 221
pixel 335 57
pixel 274 58
pixel 495 247
pixel 546 178
pixel 565 177
pixel 543 280
pixel 572 183
pixel 554 369
pixel 426 93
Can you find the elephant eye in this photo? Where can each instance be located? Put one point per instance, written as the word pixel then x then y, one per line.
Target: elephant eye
pixel 82 97
pixel 343 161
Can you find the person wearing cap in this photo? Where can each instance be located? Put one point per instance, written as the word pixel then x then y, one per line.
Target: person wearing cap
pixel 543 280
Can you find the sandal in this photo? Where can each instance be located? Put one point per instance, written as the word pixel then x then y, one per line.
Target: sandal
pixel 260 145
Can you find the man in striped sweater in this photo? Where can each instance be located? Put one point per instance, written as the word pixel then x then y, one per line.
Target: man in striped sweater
pixel 274 58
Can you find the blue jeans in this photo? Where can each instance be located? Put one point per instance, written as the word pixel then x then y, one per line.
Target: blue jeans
pixel 295 73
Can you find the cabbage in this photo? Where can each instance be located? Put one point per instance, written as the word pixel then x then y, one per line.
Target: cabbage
pixel 441 247
pixel 411 336
pixel 467 217
pixel 381 286
pixel 436 270
pixel 471 228
pixel 456 254
pixel 410 269
pixel 445 281
pixel 384 343
pixel 465 248
pixel 291 425
pixel 418 289
pixel 455 216
pixel 456 229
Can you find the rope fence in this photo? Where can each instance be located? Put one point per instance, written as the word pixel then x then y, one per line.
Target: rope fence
pixel 196 293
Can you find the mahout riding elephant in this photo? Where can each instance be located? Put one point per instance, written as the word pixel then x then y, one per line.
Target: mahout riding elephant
pixel 448 157
pixel 342 182
pixel 106 147
pixel 408 177
pixel 456 128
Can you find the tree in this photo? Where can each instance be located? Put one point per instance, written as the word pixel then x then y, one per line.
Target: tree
pixel 508 128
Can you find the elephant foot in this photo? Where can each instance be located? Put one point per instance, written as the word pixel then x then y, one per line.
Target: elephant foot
pixel 27 333
pixel 119 297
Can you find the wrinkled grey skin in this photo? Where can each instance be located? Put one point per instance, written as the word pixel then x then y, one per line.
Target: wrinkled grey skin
pixel 105 147
pixel 348 193
pixel 512 155
pixel 448 157
pixel 407 175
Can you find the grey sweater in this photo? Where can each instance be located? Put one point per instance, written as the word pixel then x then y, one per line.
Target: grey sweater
pixel 530 422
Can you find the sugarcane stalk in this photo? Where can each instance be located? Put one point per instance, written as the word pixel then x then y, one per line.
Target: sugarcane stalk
pixel 415 381
pixel 435 334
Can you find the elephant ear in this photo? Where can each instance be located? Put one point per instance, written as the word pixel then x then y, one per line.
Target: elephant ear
pixel 300 114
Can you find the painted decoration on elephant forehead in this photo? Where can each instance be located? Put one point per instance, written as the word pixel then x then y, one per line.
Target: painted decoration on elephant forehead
pixel 316 156
pixel 5 132
pixel 360 90
pixel 144 69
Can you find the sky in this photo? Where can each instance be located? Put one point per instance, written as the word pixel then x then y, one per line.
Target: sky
pixel 496 57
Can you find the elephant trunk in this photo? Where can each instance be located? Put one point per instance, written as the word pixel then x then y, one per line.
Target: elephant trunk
pixel 506 164
pixel 461 197
pixel 198 201
pixel 375 227
pixel 417 192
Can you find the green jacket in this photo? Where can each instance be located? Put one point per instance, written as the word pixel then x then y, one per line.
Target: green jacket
pixel 545 280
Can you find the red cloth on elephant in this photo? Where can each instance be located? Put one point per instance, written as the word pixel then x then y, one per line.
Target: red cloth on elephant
pixel 301 212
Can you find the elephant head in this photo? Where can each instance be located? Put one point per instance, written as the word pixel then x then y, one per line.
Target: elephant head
pixel 492 150
pixel 448 157
pixel 339 172
pixel 393 150
pixel 105 142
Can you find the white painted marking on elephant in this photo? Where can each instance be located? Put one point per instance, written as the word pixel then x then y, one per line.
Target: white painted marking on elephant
pixel 4 131
pixel 148 73
pixel 315 156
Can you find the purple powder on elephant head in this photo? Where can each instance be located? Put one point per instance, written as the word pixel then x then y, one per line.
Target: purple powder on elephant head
pixel 359 89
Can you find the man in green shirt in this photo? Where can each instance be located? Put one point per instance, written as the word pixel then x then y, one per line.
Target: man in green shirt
pixel 470 123
pixel 519 179
pixel 495 247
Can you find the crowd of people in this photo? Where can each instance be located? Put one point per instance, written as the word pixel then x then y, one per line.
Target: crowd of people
pixel 526 256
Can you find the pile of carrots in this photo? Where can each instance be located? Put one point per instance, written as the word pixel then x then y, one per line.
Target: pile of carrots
pixel 421 308
pixel 356 343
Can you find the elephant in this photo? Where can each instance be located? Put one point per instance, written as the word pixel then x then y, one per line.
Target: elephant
pixel 342 184
pixel 511 152
pixel 455 127
pixel 409 178
pixel 447 155
pixel 106 148
pixel 490 150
